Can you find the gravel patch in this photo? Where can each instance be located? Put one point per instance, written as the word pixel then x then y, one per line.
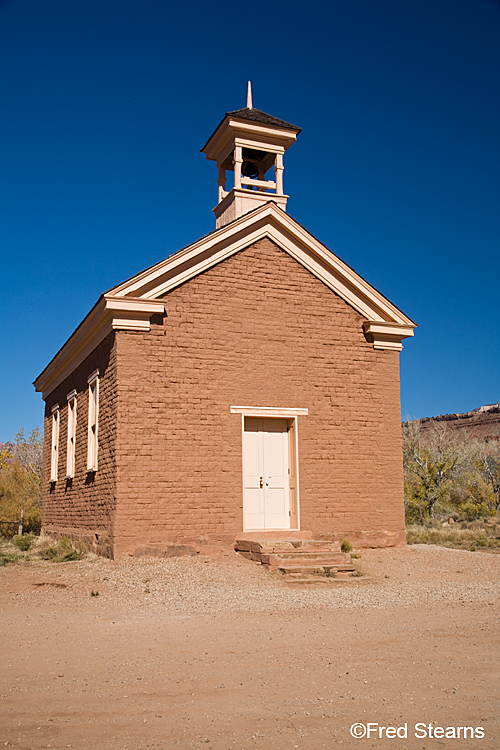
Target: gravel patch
pixel 415 576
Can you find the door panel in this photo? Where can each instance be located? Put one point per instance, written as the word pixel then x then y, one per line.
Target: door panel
pixel 266 475
pixel 275 433
pixel 253 498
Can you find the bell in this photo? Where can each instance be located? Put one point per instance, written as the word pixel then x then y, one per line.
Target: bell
pixel 249 169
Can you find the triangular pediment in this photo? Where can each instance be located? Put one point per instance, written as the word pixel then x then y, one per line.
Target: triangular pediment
pixel 268 221
pixel 130 305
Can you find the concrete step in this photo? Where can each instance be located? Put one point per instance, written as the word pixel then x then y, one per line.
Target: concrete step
pixel 313 558
pixel 277 546
pixel 296 578
pixel 304 560
pixel 310 554
pixel 319 569
pixel 247 545
pixel 303 554
pixel 317 544
pixel 301 569
pixel 299 578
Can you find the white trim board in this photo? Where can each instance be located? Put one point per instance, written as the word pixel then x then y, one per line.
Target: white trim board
pixel 130 305
pixel 272 222
pixel 268 411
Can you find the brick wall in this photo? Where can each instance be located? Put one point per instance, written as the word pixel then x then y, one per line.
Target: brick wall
pixel 83 508
pixel 257 329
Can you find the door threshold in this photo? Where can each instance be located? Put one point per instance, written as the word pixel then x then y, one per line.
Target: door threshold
pixel 278 535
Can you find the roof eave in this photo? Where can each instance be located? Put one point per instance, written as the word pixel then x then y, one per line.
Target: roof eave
pixel 229 117
pixel 108 314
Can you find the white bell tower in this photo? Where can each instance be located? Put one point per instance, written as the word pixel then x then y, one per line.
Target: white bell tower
pixel 249 143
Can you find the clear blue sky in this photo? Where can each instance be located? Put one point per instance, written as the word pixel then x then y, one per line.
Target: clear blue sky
pixel 106 103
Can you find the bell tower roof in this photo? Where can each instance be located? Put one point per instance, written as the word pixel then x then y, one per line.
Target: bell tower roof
pixel 249 113
pixel 249 143
pixel 254 115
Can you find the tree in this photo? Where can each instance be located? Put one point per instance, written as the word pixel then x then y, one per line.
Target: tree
pixel 432 462
pixel 448 471
pixel 29 452
pixel 21 482
pixel 487 462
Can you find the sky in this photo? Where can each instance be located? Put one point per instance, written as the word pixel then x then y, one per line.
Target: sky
pixel 106 104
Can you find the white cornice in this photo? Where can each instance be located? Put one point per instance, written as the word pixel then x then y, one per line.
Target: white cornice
pixel 266 221
pixel 387 335
pixel 109 314
pixel 248 133
pixel 129 306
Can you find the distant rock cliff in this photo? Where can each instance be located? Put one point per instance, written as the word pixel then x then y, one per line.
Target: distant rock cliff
pixel 9 447
pixel 483 422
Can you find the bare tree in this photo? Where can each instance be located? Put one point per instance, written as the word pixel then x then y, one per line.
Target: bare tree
pixel 486 456
pixel 432 461
pixel 29 451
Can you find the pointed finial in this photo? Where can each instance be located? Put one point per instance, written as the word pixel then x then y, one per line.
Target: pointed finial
pixel 249 96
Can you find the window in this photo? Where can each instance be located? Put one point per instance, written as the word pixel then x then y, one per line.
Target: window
pixel 54 454
pixel 93 381
pixel 70 453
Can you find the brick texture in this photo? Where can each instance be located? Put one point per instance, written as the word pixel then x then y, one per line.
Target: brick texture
pixel 257 329
pixel 83 508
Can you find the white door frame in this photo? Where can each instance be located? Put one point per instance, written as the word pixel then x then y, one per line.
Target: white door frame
pixel 291 414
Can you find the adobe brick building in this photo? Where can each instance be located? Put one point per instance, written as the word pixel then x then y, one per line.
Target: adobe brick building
pixel 249 383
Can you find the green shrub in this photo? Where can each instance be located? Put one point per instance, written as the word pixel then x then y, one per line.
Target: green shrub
pixel 416 510
pixel 23 542
pixel 62 551
pixel 8 559
pixel 473 511
pixel 345 545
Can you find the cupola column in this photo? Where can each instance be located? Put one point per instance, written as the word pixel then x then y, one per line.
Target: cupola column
pixel 238 161
pixel 278 171
pixel 221 181
pixel 249 143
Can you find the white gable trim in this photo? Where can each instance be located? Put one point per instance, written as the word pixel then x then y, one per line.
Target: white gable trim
pixel 129 306
pixel 108 315
pixel 267 221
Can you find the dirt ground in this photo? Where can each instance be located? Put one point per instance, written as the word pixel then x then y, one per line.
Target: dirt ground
pixel 214 652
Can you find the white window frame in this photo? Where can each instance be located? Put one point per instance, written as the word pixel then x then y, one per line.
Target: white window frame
pixel 71 444
pixel 93 423
pixel 54 452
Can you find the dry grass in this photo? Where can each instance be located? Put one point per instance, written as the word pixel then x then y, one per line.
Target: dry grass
pixel 29 547
pixel 471 535
pixel 61 551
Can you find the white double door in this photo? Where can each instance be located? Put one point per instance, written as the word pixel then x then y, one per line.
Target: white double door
pixel 266 494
